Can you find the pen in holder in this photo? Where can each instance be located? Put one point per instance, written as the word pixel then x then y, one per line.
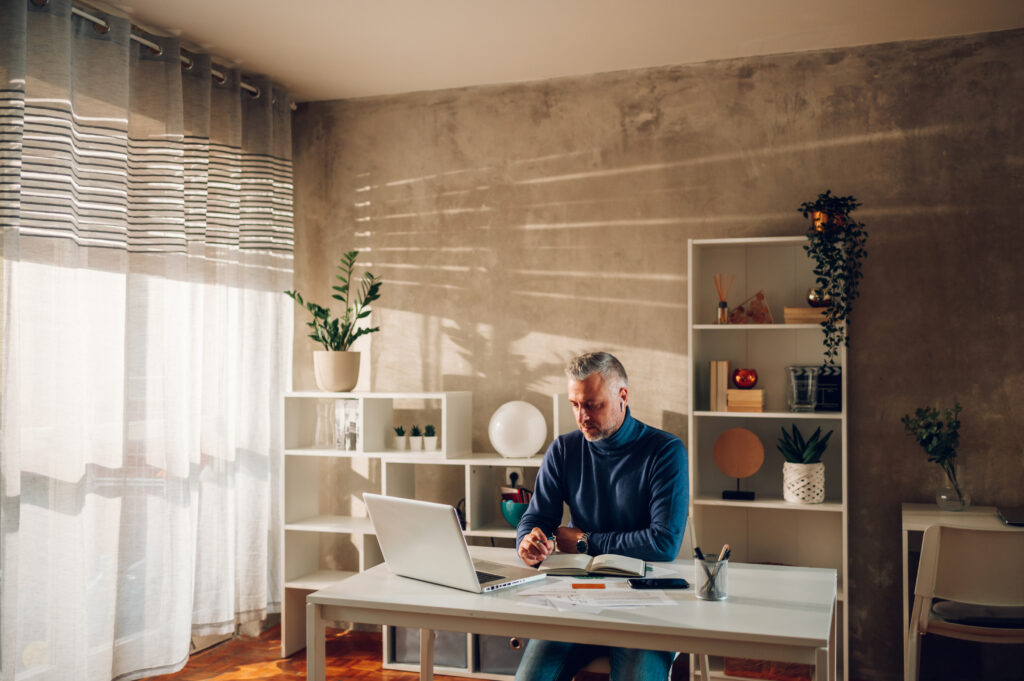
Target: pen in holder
pixel 712 577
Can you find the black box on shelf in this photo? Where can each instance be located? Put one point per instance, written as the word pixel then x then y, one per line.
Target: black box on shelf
pixel 830 389
pixel 499 654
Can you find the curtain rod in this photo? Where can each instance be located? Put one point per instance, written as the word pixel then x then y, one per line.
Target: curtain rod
pixel 187 61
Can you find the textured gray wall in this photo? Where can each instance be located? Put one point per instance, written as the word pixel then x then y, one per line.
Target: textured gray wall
pixel 517 225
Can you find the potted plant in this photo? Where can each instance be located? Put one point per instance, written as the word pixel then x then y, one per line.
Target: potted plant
pixel 835 241
pixel 398 441
pixel 336 368
pixel 429 437
pixel 939 434
pixel 803 474
pixel 415 438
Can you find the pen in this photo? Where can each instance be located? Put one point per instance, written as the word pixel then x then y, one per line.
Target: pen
pixel 725 550
pixel 588 586
pixel 697 552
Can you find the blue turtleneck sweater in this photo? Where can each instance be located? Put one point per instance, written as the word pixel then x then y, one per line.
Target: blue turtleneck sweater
pixel 629 491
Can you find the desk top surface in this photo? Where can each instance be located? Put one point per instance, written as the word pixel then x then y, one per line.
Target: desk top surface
pixel 792 605
pixel 919 517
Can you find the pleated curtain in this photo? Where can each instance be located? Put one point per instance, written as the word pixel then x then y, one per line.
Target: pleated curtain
pixel 147 239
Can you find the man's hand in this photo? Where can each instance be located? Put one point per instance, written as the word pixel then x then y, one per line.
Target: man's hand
pixel 566 538
pixel 535 547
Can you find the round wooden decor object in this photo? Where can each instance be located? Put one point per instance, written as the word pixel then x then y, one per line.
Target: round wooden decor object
pixel 739 453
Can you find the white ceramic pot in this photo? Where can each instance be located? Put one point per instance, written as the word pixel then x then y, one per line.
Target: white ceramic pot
pixel 803 483
pixel 416 442
pixel 399 442
pixel 430 442
pixel 335 371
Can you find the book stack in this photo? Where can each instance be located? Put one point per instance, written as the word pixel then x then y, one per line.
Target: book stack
pixel 745 400
pixel 803 315
pixel 719 385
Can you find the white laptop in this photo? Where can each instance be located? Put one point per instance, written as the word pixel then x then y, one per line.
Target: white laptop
pixel 424 541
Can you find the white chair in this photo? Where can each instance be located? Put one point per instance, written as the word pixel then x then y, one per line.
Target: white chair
pixel 969 586
pixel 601 665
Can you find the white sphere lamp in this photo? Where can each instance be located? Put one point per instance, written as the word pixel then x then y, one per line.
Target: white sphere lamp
pixel 517 429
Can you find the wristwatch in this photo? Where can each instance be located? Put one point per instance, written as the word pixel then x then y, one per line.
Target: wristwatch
pixel 583 543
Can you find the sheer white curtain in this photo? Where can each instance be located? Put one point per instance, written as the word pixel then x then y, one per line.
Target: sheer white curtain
pixel 147 239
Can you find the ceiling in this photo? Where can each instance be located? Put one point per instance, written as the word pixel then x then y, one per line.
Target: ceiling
pixel 336 49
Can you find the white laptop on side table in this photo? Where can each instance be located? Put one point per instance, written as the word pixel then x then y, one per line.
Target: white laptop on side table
pixel 424 541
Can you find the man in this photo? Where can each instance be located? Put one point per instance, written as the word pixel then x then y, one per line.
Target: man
pixel 626 487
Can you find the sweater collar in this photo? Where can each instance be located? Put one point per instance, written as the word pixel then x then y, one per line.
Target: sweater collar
pixel 622 438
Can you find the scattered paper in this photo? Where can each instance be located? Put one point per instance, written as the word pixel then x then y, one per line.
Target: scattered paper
pixel 558 593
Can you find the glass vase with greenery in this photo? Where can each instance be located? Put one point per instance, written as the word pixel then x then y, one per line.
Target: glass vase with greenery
pixel 938 432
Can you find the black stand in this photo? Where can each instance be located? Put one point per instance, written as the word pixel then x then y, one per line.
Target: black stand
pixel 737 495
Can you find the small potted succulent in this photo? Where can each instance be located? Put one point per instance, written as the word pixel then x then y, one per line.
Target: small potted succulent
pixel 415 438
pixel 398 441
pixel 939 435
pixel 803 473
pixel 429 437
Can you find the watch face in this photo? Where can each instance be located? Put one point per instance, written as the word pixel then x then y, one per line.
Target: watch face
pixel 581 545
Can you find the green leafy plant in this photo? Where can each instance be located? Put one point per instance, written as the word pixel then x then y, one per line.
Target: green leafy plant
pixel 415 432
pixel 939 434
pixel 798 450
pixel 836 242
pixel 339 334
pixel 399 431
pixel 428 431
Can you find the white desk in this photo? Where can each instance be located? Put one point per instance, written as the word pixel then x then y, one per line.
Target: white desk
pixel 772 613
pixel 916 518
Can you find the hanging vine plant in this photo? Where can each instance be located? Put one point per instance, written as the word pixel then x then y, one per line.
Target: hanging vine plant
pixel 835 241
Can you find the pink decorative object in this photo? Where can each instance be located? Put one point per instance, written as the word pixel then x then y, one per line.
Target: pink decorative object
pixel 754 310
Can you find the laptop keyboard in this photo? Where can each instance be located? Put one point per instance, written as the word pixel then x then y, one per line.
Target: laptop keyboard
pixel 485 577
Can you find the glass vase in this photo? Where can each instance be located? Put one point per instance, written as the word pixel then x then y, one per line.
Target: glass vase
pixel 951 495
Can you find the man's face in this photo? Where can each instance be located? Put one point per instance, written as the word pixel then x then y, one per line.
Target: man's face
pixel 599 408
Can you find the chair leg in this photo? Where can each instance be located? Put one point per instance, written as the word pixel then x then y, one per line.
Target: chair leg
pixel 912 665
pixel 704 668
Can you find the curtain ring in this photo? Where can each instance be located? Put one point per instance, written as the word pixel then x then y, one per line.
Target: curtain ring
pixel 219 77
pixel 156 51
pixel 101 28
pixel 256 95
pixel 187 62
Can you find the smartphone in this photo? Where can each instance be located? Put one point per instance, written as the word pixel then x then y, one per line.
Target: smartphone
pixel 659 583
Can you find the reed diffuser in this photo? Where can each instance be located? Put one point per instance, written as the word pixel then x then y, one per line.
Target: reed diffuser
pixel 722 285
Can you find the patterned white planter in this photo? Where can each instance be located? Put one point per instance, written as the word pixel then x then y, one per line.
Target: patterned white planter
pixel 803 483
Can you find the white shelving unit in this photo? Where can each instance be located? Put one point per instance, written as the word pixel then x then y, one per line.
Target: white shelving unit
pixel 401 473
pixel 767 529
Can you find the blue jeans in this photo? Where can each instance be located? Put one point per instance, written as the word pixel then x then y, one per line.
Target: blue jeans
pixel 557 661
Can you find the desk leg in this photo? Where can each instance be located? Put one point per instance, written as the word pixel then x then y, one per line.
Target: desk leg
pixel 821 664
pixel 316 643
pixel 426 655
pixel 904 592
pixel 833 637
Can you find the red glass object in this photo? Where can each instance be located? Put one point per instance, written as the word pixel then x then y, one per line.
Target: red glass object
pixel 744 379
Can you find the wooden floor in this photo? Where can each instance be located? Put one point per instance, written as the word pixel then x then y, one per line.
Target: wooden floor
pixel 350 655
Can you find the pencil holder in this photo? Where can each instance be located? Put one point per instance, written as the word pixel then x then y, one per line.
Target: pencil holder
pixel 712 579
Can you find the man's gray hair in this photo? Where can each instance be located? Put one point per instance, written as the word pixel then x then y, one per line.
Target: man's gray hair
pixel 604 363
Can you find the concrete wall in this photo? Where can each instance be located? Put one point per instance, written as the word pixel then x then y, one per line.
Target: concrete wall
pixel 517 225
